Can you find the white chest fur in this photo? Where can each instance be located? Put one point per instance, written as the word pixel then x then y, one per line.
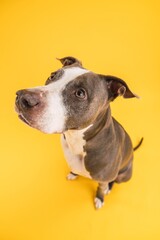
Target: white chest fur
pixel 74 153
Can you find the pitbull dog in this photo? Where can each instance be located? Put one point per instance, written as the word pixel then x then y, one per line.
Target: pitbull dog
pixel 76 103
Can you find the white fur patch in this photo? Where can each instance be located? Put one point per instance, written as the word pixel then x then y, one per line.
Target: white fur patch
pixel 73 151
pixel 75 141
pixel 53 118
pixel 71 176
pixel 98 203
pixel 107 191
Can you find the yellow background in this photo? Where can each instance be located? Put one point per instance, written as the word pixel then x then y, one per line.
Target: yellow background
pixel 115 37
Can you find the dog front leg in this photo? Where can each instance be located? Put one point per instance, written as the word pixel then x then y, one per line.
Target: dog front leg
pixel 102 190
pixel 72 176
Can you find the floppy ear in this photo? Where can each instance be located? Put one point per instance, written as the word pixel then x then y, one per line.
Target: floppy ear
pixel 66 61
pixel 117 87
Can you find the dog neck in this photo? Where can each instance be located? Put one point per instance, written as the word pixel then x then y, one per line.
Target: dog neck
pixel 76 139
pixel 104 119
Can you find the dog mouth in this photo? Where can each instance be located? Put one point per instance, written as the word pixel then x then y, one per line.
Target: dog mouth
pixel 34 121
pixel 23 119
pixel 20 114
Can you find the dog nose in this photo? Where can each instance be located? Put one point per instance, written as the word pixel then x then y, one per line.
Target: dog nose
pixel 27 99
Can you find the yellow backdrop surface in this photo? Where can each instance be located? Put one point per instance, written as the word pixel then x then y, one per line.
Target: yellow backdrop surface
pixel 120 38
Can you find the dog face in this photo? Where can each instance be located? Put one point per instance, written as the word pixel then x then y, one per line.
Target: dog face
pixel 72 98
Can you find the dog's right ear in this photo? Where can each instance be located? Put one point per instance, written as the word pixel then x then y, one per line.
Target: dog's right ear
pixel 67 61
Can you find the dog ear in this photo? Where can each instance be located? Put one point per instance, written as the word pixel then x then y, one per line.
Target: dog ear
pixel 117 87
pixel 67 61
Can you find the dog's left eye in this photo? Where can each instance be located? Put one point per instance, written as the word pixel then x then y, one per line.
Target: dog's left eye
pixel 81 93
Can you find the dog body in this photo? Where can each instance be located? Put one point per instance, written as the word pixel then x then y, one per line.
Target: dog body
pixel 76 103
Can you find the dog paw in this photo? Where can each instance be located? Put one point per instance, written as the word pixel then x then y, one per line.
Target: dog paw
pixel 98 203
pixel 71 176
pixel 107 191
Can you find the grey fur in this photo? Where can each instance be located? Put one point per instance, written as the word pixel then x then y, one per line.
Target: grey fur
pixel 108 148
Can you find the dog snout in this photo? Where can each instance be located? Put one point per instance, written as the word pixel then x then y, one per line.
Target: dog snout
pixel 26 99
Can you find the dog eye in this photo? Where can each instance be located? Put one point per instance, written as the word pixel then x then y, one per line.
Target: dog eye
pixel 81 93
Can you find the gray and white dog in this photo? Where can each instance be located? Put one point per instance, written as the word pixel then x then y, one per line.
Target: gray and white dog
pixel 76 103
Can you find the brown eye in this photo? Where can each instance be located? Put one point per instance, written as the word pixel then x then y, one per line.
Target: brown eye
pixel 81 93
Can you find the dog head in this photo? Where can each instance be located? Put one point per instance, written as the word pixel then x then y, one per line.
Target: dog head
pixel 72 98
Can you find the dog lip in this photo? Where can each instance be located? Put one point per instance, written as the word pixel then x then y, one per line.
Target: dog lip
pixel 21 117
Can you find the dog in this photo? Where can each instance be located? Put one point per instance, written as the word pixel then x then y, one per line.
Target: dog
pixel 76 103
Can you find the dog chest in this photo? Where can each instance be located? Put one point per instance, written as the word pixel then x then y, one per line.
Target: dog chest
pixel 73 144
